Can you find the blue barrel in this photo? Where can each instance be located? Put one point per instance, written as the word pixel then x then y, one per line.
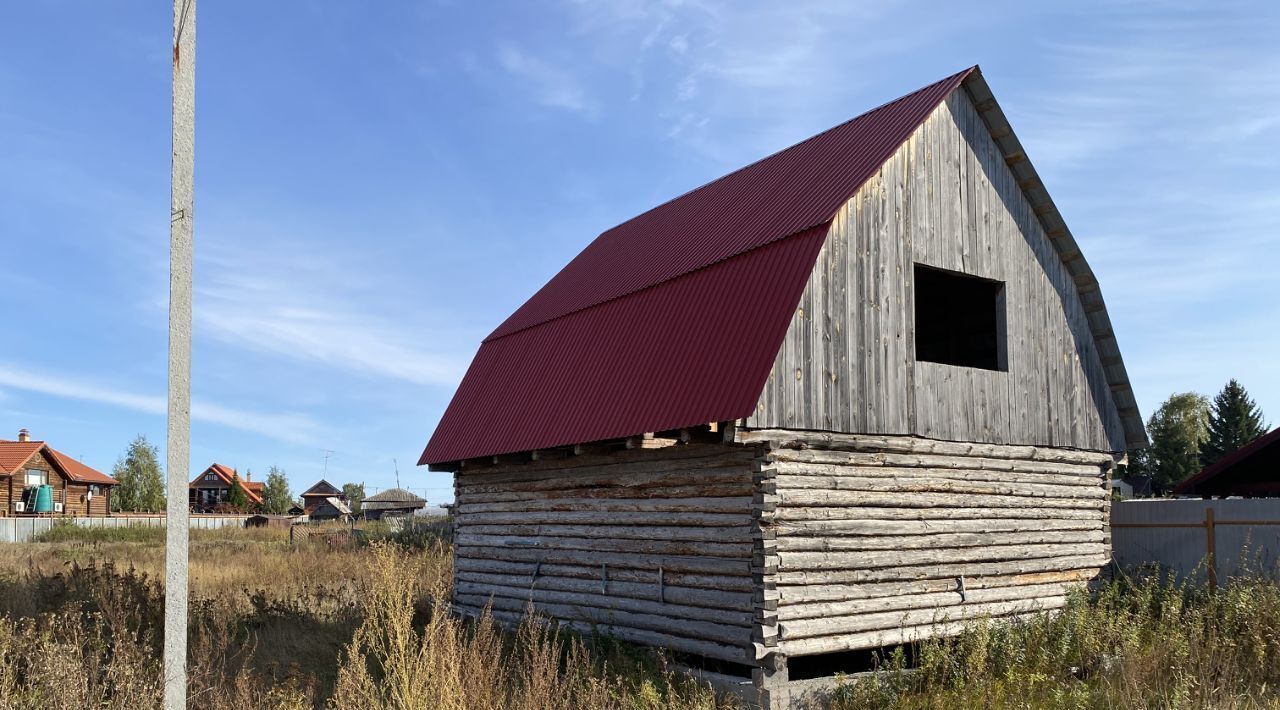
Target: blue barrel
pixel 44 499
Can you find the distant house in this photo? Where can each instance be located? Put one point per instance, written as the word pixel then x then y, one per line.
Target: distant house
pixel 212 488
pixel 262 520
pixel 317 497
pixel 74 488
pixel 1252 471
pixel 331 508
pixel 391 502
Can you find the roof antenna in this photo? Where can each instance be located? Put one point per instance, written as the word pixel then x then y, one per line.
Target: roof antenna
pixel 393 463
pixel 327 454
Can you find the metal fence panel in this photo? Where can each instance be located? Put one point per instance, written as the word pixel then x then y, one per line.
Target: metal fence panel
pixel 1210 540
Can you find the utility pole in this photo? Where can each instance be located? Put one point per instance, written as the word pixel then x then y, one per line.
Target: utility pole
pixel 178 444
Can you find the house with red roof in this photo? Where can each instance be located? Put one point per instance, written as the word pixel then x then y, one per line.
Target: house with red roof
pixel 75 488
pixel 841 399
pixel 209 491
pixel 1252 471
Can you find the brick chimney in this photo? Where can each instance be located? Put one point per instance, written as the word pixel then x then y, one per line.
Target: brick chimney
pixel 24 435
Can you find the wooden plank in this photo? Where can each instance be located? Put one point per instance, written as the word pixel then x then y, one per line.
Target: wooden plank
pixel 612 600
pixel 735 654
pixel 810 600
pixel 964 511
pixel 940 570
pixel 734 548
pixel 865 560
pixel 619 586
pixel 946 544
pixel 639 575
pixel 677 563
pixel 605 530
pixel 701 630
pixel 907 634
pixel 831 529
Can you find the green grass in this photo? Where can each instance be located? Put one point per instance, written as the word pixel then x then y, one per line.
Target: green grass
pixel 70 532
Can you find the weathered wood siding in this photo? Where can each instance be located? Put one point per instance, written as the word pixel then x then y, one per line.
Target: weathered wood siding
pixel 652 545
pixel 945 199
pixel 872 540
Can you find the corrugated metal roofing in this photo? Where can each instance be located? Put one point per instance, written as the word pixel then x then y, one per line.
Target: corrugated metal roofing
pixel 80 472
pixel 673 318
pixel 787 192
pixel 14 454
pixel 691 350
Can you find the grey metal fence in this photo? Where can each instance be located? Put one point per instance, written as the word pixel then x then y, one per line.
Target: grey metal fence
pixel 1211 540
pixel 23 529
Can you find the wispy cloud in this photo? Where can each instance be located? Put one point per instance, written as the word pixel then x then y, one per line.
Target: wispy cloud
pixel 305 309
pixel 289 427
pixel 552 86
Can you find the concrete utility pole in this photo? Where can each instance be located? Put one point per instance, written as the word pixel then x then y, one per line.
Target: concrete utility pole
pixel 177 446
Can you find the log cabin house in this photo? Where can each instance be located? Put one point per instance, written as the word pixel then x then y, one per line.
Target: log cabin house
pixel 210 490
pixel 391 503
pixel 76 489
pixel 317 496
pixel 844 398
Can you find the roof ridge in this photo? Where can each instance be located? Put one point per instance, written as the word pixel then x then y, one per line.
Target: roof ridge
pixel 504 329
pixel 797 144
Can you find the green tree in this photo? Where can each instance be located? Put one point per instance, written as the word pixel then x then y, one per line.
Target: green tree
pixel 236 497
pixel 353 492
pixel 275 496
pixel 1234 421
pixel 141 486
pixel 1176 429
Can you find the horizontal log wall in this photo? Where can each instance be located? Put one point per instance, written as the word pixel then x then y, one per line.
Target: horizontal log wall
pixel 653 546
pixel 866 541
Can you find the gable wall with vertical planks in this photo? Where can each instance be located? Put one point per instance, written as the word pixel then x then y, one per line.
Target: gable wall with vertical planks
pixel 946 199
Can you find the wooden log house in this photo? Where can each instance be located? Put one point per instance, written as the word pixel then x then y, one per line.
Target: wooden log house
pixel 847 397
pixel 76 489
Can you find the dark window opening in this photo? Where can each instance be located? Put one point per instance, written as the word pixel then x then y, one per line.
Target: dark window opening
pixel 959 319
pixel 865 660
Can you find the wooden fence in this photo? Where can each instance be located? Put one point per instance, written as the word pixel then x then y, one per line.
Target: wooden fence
pixel 1208 540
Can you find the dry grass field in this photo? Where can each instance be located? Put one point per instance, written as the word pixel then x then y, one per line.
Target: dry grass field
pixel 331 625
pixel 328 623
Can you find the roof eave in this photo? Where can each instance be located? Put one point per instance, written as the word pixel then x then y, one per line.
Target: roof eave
pixel 1087 286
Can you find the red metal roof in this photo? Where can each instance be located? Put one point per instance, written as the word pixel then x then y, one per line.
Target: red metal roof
pixel 13 454
pixel 1253 469
pixel 80 472
pixel 787 192
pixel 673 318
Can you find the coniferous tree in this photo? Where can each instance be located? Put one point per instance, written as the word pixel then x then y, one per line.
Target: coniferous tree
pixel 1176 429
pixel 236 497
pixel 275 496
pixel 1234 421
pixel 141 486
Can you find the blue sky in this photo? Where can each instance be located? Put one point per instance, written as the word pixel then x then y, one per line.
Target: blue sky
pixel 380 184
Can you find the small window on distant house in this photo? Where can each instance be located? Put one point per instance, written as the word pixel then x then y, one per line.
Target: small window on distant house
pixel 36 477
pixel 959 319
pixel 210 477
